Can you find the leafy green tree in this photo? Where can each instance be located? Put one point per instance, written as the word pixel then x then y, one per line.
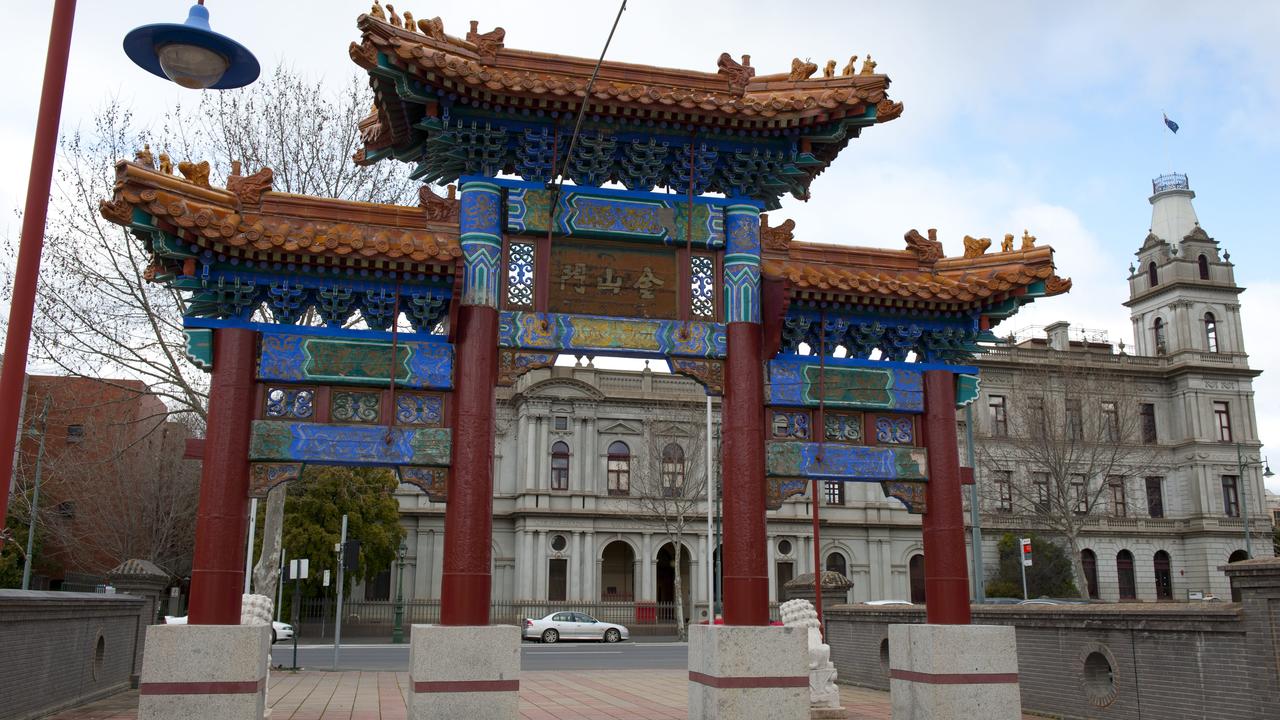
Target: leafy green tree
pixel 1050 574
pixel 313 514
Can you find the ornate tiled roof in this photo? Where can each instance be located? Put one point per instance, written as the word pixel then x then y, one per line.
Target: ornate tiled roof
pixel 249 220
pixel 481 65
pixel 919 274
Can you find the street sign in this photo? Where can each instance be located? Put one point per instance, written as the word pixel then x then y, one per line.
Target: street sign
pixel 173 591
pixel 326 578
pixel 1026 552
pixel 298 569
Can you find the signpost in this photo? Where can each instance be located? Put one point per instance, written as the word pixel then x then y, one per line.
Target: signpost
pixel 337 616
pixel 298 571
pixel 324 609
pixel 1024 546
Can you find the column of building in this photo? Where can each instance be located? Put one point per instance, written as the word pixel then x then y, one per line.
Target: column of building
pixel 465 595
pixel 746 577
pixel 946 572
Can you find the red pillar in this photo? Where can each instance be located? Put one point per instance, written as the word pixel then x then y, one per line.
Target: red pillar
pixel 746 572
pixel 946 571
pixel 22 305
pixel 468 518
pixel 217 573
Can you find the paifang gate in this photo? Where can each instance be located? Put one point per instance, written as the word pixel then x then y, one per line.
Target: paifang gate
pixel 351 333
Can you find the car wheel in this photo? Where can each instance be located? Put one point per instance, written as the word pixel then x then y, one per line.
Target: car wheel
pixel 612 635
pixel 273 636
pixel 550 636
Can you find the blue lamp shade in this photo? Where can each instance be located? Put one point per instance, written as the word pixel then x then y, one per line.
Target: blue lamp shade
pixel 191 54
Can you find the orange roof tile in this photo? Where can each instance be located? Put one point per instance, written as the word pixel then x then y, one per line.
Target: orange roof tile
pixel 482 66
pixel 250 220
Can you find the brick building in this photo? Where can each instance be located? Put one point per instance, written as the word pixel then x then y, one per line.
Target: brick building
pixel 113 482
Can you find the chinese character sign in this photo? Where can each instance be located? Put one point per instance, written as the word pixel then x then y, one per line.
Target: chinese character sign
pixel 613 279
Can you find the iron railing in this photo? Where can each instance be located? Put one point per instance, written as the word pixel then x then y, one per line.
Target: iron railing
pixel 1172 181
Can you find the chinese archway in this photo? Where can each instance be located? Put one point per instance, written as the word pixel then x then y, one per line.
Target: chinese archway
pixel 350 333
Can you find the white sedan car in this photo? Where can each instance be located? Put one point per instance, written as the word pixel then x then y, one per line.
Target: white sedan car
pixel 573 626
pixel 279 630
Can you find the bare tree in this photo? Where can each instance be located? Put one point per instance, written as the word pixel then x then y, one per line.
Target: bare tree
pixel 1068 454
pixel 669 486
pixel 123 492
pixel 96 313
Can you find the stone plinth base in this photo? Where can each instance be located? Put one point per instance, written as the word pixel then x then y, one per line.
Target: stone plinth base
pixel 940 672
pixel 204 671
pixel 464 672
pixel 748 673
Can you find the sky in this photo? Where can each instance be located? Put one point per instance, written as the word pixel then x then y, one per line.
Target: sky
pixel 1044 116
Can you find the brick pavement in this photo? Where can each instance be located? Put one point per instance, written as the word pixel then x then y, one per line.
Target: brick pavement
pixel 544 695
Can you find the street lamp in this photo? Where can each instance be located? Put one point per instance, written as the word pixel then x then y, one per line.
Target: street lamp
pixel 397 631
pixel 192 54
pixel 1244 493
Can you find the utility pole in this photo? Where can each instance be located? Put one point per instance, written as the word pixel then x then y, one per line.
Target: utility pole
pixel 280 579
pixel 975 513
pixel 35 498
pixel 711 547
pixel 248 553
pixel 337 620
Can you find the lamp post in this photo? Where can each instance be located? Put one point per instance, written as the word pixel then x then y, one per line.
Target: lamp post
pixel 397 631
pixel 191 55
pixel 1244 493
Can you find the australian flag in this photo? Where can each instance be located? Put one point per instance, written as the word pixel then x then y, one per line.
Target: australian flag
pixel 1171 124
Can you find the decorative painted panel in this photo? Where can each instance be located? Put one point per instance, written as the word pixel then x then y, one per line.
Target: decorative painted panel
pixel 308 358
pixel 480 236
pixel 742 264
pixel 275 441
pixel 355 407
pixel 913 494
pixel 615 279
pixel 845 462
pixel 789 425
pixel 520 274
pixel 296 403
pixel 795 380
pixel 702 287
pixel 842 427
pixel 419 409
pixel 514 363
pixel 606 216
pixel 895 430
pixel 265 476
pixel 433 481
pixel 778 489
pixel 586 333
pixel 199 347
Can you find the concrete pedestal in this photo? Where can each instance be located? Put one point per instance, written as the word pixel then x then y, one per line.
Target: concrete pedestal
pixel 464 671
pixel 204 671
pixel 940 672
pixel 748 673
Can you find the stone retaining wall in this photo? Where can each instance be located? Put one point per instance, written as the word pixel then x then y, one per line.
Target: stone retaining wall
pixel 1126 661
pixel 62 649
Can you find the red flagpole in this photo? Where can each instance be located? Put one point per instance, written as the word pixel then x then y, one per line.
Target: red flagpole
pixel 22 308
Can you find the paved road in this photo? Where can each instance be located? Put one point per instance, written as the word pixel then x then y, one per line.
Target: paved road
pixel 533 656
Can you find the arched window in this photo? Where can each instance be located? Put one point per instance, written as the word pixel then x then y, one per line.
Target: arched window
pixel 836 563
pixel 1089 560
pixel 1203 262
pixel 915 571
pixel 1158 328
pixel 1152 278
pixel 1124 574
pixel 672 471
pixel 619 468
pixel 1164 574
pixel 1237 556
pixel 560 466
pixel 1211 332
